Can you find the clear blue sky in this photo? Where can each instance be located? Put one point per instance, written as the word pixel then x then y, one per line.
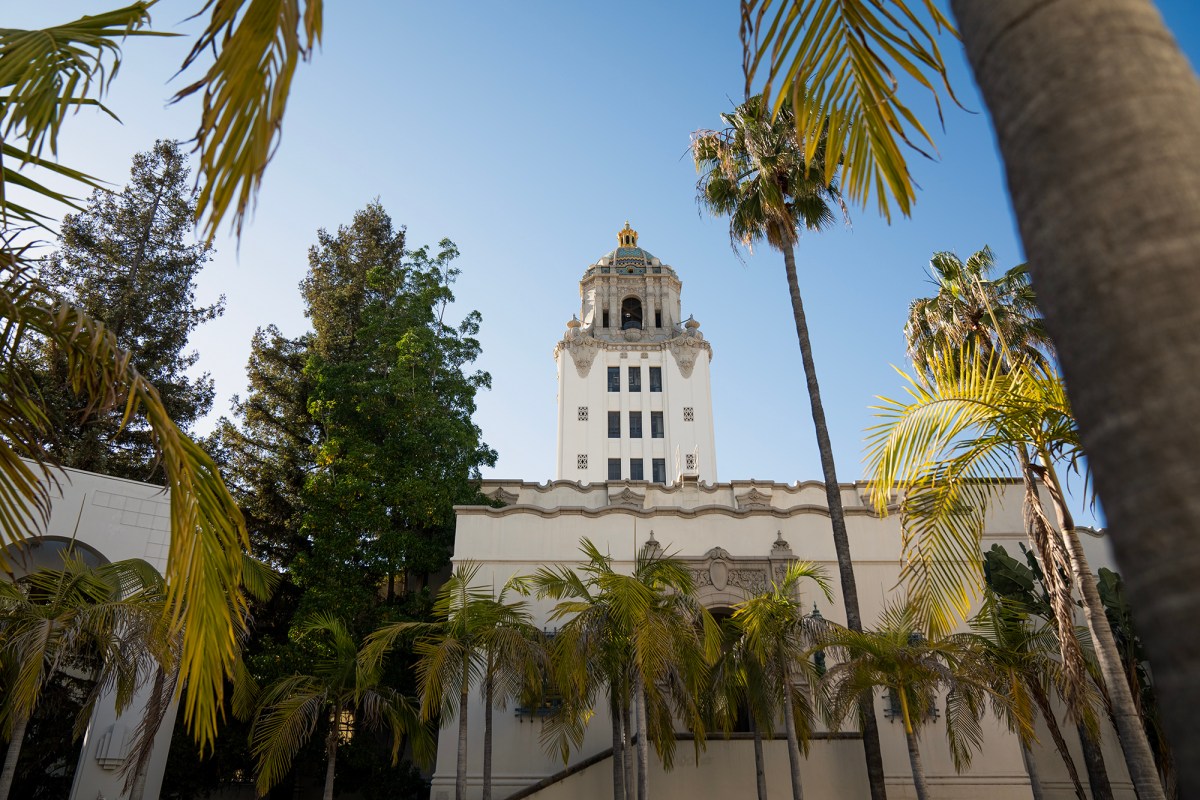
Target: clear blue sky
pixel 528 133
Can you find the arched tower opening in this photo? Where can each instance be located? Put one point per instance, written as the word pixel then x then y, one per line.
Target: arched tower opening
pixel 631 313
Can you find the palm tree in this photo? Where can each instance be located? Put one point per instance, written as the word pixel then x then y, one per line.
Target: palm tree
pixel 946 444
pixel 340 692
pixel 645 635
pixel 771 187
pixel 46 76
pixel 737 685
pixel 478 639
pixel 1075 137
pixel 777 641
pixel 973 310
pixel 897 657
pixel 75 617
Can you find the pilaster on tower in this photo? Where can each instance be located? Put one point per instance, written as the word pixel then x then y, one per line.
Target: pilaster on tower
pixel 634 397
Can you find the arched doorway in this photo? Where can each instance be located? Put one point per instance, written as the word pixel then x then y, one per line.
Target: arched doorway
pixel 48 552
pixel 631 313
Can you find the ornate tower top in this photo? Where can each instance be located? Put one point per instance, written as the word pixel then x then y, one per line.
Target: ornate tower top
pixel 627 236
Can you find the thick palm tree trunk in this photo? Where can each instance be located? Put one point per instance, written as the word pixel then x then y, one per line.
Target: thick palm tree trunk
pixel 630 759
pixel 1096 111
pixel 1130 729
pixel 914 760
pixel 837 519
pixel 643 741
pixel 760 771
pixel 1031 769
pixel 331 761
pixel 1093 761
pixel 618 746
pixel 460 771
pixel 9 772
pixel 793 743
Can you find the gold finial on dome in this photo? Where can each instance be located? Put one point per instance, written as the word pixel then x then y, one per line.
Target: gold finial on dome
pixel 627 236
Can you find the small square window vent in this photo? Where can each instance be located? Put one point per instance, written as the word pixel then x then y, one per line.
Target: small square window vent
pixel 689 414
pixel 581 461
pixel 583 413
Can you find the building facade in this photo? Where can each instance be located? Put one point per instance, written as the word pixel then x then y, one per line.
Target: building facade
pixel 629 353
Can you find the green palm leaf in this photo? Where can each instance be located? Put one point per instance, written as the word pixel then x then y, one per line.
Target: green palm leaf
pixel 841 63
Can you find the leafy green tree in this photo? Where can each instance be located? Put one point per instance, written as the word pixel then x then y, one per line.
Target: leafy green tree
pixel 897 657
pixel 644 635
pixel 737 686
pixel 341 694
pixel 777 641
pixel 56 620
pixel 755 172
pixel 1055 107
pixel 129 259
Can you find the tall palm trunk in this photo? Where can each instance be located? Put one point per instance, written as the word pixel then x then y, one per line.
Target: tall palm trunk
pixel 760 771
pixel 1085 143
pixel 643 741
pixel 1130 729
pixel 331 758
pixel 489 690
pixel 9 773
pixel 914 761
pixel 1093 761
pixel 618 745
pixel 460 771
pixel 630 759
pixel 837 519
pixel 793 743
pixel 1031 769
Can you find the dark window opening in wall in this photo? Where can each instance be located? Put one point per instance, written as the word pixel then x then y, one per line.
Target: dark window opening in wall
pixel 614 379
pixel 657 318
pixel 604 319
pixel 635 424
pixel 636 470
pixel 659 468
pixel 656 379
pixel 635 379
pixel 656 424
pixel 631 313
pixel 614 469
pixel 614 424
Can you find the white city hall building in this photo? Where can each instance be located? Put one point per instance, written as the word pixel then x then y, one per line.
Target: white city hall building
pixel 636 464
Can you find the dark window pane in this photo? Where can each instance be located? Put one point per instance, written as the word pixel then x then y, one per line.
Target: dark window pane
pixel 659 465
pixel 604 321
pixel 656 379
pixel 614 469
pixel 656 424
pixel 614 379
pixel 657 318
pixel 635 470
pixel 614 424
pixel 635 379
pixel 635 424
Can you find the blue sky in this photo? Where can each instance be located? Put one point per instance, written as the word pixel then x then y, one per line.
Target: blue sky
pixel 528 133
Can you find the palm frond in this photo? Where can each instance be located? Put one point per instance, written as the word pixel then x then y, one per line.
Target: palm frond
pixel 840 63
pixel 259 44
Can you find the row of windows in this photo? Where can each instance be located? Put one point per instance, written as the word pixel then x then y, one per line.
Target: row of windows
pixel 635 379
pixel 635 424
pixel 658 469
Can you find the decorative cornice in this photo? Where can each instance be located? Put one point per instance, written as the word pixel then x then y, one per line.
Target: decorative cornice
pixel 754 499
pixel 658 511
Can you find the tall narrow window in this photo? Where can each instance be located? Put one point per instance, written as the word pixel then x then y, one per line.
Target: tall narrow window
pixel 635 424
pixel 635 379
pixel 631 313
pixel 614 469
pixel 604 319
pixel 614 424
pixel 614 379
pixel 657 318
pixel 656 424
pixel 636 472
pixel 659 467
pixel 656 379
